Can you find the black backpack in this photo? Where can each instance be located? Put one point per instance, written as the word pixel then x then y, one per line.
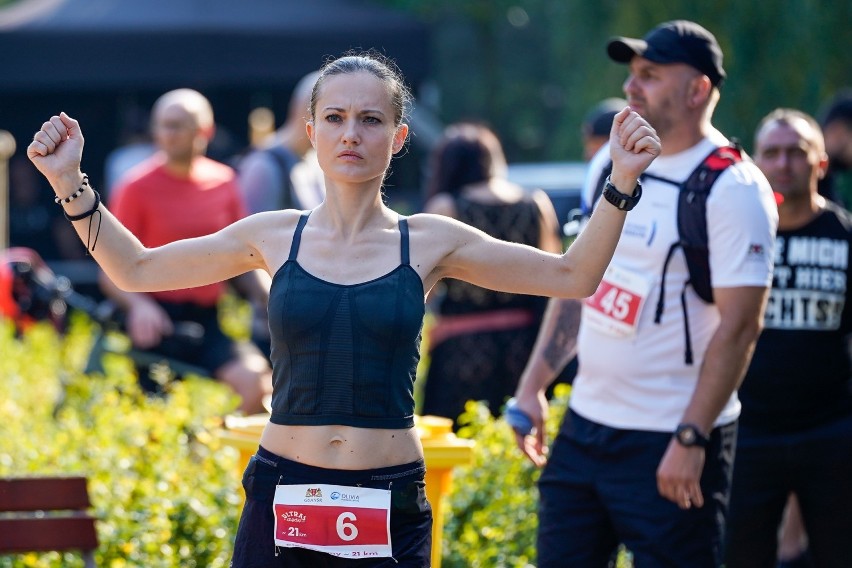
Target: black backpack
pixel 284 161
pixel 691 226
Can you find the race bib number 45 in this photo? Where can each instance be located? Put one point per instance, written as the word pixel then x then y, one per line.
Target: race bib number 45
pixel 352 522
pixel 615 307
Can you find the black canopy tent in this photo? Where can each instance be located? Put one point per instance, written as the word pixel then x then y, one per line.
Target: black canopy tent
pixel 57 45
pixel 96 58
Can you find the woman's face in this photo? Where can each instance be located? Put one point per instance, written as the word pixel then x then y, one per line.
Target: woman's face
pixel 353 128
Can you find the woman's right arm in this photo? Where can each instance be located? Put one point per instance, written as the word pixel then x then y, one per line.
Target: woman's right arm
pixel 57 150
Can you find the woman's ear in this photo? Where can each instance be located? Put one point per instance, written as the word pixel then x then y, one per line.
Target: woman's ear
pixel 309 129
pixel 399 137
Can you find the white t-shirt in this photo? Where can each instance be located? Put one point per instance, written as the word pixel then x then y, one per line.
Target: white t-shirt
pixel 637 378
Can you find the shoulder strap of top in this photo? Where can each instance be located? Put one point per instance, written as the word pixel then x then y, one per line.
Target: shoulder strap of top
pixel 403 231
pixel 297 236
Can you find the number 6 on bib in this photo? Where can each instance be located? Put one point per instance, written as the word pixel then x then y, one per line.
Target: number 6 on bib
pixel 351 522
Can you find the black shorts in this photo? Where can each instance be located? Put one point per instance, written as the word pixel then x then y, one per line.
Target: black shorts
pixel 410 520
pixel 599 489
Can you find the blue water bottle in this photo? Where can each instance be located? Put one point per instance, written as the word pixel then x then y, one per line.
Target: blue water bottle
pixel 519 420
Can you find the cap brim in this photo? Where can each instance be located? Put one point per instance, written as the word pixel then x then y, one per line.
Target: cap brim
pixel 623 49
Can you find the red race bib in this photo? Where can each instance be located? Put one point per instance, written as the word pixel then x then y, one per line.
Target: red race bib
pixel 352 522
pixel 615 307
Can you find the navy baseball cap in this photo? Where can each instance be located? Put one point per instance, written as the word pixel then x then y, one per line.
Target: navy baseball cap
pixel 598 121
pixel 678 41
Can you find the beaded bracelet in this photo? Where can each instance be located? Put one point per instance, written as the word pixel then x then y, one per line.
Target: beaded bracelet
pixel 90 245
pixel 60 200
pixel 88 213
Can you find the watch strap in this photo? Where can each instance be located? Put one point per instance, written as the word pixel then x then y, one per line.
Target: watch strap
pixel 689 435
pixel 620 200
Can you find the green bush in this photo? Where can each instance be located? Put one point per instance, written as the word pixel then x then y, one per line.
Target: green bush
pixel 491 515
pixel 165 491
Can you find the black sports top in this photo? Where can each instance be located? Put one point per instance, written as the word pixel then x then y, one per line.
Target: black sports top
pixel 345 353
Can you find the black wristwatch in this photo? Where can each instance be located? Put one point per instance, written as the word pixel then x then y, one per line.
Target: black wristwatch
pixel 620 200
pixel 689 435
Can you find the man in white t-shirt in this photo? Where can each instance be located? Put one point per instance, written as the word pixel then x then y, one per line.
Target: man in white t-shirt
pixel 644 455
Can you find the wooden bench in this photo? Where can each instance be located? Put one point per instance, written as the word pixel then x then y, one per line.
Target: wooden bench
pixel 42 514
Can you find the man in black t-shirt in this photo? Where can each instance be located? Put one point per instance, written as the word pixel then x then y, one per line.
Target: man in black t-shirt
pixel 795 434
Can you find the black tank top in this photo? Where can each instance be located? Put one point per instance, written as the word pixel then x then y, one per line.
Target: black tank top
pixel 345 353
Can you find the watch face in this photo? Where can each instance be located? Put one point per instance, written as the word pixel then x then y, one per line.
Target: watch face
pixel 687 436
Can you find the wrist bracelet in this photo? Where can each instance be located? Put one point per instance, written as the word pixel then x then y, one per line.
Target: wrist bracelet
pixel 64 200
pixel 90 214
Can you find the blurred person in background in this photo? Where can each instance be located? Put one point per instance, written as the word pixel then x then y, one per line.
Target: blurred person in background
pixel 836 121
pixel 179 193
pixel 597 124
pixel 482 338
pixel 836 185
pixel 281 174
pixel 135 146
pixel 645 451
pixel 795 431
pixel 348 302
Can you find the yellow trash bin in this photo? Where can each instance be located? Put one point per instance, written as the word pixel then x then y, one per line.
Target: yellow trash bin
pixel 441 448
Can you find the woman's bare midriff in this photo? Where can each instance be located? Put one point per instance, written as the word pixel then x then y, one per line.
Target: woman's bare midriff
pixel 343 447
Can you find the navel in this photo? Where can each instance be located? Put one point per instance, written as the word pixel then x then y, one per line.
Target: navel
pixel 337 441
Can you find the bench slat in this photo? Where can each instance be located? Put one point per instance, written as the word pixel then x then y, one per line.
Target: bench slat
pixel 47 534
pixel 45 494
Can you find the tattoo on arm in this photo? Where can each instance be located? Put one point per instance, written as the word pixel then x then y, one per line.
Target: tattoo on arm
pixel 562 345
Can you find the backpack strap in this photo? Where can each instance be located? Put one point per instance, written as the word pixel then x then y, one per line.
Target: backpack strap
pixel 692 230
pixel 285 161
pixel 692 227
pixel 692 215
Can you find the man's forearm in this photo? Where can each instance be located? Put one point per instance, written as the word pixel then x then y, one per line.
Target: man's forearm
pixel 555 346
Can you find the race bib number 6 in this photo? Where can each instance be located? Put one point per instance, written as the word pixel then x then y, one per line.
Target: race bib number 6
pixel 615 307
pixel 351 522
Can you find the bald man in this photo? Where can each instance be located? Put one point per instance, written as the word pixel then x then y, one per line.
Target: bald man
pixel 795 433
pixel 179 193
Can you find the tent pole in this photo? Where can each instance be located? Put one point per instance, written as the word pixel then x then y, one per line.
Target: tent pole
pixel 7 148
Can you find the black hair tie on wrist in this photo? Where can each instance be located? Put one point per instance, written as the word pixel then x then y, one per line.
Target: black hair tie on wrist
pixel 90 214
